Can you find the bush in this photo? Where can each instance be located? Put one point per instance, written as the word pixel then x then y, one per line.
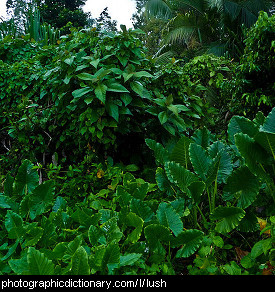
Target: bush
pixel 257 66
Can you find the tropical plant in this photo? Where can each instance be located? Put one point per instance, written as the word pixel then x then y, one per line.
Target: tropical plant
pixel 217 25
pixel 201 169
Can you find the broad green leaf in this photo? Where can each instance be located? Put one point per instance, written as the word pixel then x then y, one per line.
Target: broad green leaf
pixel 244 185
pixel 129 259
pixel 190 241
pixel 8 185
pixel 19 266
pixel 86 76
pixel 70 60
pixel 249 223
pixel 124 197
pixel 123 60
pixel 100 92
pixel 113 110
pixel 80 265
pixel 155 233
pixel 111 256
pixel 241 125
pixel 179 175
pixel 269 124
pixel 202 137
pixel 253 153
pixel 161 154
pixel 225 165
pixel 27 178
pixel 8 203
pixel 11 250
pixel 267 141
pixel 116 87
pixel 261 247
pixel 41 198
pixel 134 220
pixel 200 160
pixel 138 88
pixel 232 268
pixel 143 74
pixel 111 230
pixel 80 92
pixel 38 263
pixel 195 190
pixel 74 245
pixel 220 168
pixel 163 182
pixel 14 225
pixel 101 73
pixel 228 218
pixel 168 217
pixel 140 208
pixel 180 152
pixel 96 235
pixel 163 117
pixel 95 63
pixel 33 235
pixel 126 98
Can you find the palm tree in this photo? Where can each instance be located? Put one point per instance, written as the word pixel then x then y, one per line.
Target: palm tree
pixel 215 25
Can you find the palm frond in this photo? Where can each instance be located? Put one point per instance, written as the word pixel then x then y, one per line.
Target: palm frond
pixel 164 58
pixel 158 9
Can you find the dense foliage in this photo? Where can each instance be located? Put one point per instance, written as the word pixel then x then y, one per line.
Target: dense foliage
pixel 112 163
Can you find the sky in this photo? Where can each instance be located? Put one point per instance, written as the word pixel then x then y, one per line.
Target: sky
pixel 120 10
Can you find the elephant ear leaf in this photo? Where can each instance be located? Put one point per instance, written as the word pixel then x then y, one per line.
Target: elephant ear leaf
pixel 168 217
pixel 200 160
pixel 179 175
pixel 269 124
pixel 241 125
pixel 247 191
pixel 227 218
pixel 161 154
pixel 38 263
pixel 190 241
pixel 27 178
pixel 180 153
pixel 266 136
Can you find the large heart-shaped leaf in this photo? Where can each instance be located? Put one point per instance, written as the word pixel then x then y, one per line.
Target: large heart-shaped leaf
pixel 244 184
pixel 168 217
pixel 38 263
pixel 190 241
pixel 228 218
pixel 27 178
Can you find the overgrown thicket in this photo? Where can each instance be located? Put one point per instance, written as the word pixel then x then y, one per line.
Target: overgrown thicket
pixel 112 164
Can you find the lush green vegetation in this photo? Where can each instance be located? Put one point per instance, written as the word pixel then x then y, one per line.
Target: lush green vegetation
pixel 114 163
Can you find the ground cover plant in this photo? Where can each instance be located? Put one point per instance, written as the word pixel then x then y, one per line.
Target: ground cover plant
pixel 115 164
